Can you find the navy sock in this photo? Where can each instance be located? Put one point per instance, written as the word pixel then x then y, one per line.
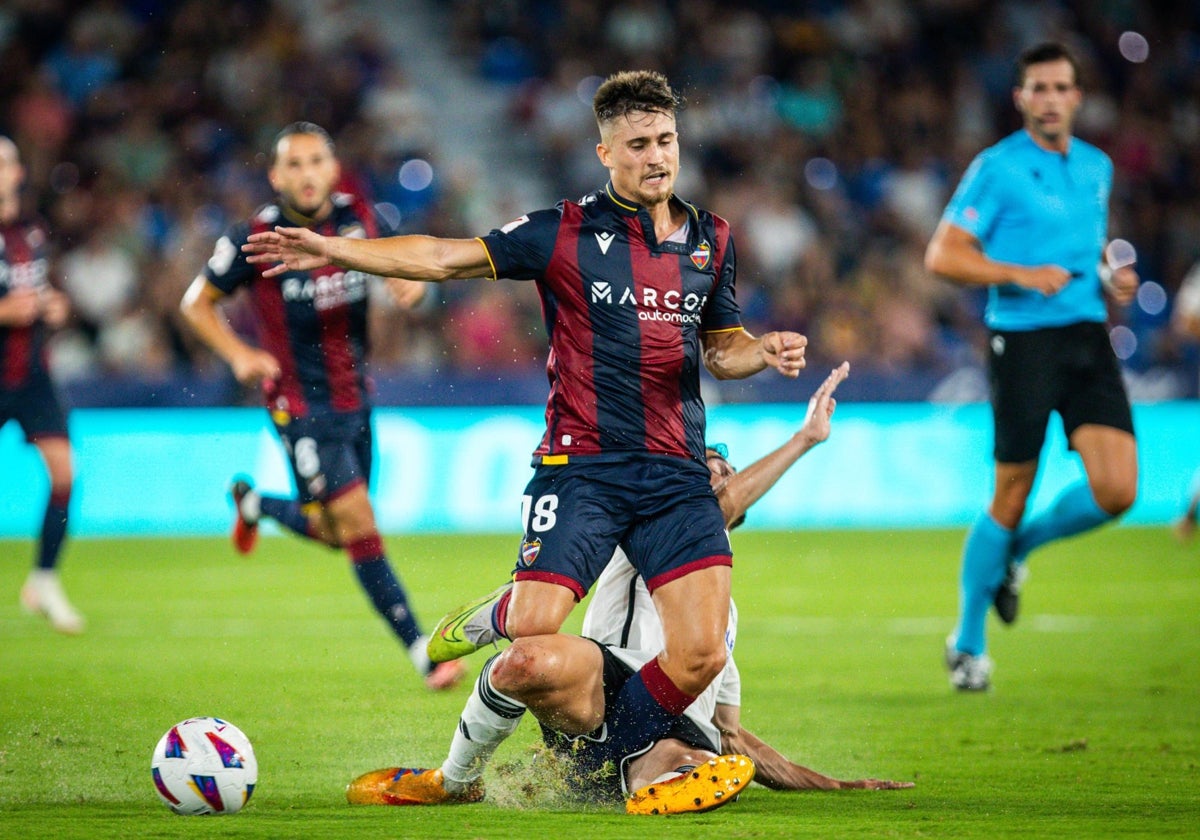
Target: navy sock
pixel 644 710
pixel 288 513
pixel 54 530
pixel 383 587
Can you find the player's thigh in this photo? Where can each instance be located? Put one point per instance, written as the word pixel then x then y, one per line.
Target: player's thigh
pixel 1109 458
pixel 574 517
pixel 351 512
pixel 537 607
pixel 694 610
pixel 1023 370
pixel 559 677
pixel 324 455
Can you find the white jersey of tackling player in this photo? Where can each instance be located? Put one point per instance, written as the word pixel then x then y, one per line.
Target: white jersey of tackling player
pixel 621 614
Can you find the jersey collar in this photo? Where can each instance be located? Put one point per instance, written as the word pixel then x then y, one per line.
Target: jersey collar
pixel 630 208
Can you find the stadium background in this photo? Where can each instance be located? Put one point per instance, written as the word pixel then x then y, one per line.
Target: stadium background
pixel 830 134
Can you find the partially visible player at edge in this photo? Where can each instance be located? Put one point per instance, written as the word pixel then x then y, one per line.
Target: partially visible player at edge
pixel 637 288
pixel 28 306
pixel 311 368
pixel 565 680
pixel 1185 322
pixel 1030 221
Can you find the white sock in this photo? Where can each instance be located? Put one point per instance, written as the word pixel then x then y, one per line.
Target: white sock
pixel 419 655
pixel 250 508
pixel 487 719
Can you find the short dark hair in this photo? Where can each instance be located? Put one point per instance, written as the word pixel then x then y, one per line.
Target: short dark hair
pixel 299 127
pixel 1042 53
pixel 634 90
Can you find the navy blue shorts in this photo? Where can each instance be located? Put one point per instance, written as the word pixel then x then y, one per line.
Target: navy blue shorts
pixel 1071 370
pixel 660 510
pixel 329 452
pixel 36 409
pixel 595 767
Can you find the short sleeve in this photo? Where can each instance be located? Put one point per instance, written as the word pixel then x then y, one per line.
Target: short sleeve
pixel 975 203
pixel 521 250
pixel 227 268
pixel 721 312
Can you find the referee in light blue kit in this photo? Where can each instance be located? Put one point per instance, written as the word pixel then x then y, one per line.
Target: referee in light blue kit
pixel 1029 221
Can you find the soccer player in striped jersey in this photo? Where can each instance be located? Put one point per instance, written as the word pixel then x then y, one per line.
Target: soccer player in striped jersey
pixel 29 305
pixel 637 288
pixel 1029 220
pixel 567 682
pixel 311 367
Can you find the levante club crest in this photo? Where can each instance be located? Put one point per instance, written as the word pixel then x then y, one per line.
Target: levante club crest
pixel 701 256
pixel 530 549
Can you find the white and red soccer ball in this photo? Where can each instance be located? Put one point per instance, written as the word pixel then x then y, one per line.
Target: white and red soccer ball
pixel 204 765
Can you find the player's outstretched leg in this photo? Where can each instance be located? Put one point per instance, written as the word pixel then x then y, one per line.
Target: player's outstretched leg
pixel 710 785
pixel 409 786
pixel 467 628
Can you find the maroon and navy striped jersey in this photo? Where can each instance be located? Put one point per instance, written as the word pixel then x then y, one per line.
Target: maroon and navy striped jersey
pixel 24 264
pixel 624 314
pixel 313 322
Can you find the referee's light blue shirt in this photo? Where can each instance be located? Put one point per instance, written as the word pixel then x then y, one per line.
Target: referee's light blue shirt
pixel 1032 207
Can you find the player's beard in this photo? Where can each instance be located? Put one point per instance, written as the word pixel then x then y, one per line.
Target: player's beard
pixel 307 211
pixel 659 195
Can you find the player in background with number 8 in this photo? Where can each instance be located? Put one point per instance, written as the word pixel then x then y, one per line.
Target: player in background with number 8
pixel 311 370
pixel 1029 221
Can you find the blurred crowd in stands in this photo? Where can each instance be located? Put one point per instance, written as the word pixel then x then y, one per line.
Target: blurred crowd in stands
pixel 829 134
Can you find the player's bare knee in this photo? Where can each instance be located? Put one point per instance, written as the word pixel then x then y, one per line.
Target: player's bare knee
pixel 1116 499
pixel 697 669
pixel 522 667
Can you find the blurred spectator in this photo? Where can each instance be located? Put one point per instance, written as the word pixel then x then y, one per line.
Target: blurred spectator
pixel 829 134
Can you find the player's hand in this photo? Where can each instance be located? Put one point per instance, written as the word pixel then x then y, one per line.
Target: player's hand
pixel 784 351
pixel 816 426
pixel 255 367
pixel 1047 279
pixel 406 293
pixel 20 308
pixel 293 249
pixel 1122 286
pixel 55 307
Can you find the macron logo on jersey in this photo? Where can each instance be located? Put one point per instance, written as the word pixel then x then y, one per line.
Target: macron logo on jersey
pixel 604 239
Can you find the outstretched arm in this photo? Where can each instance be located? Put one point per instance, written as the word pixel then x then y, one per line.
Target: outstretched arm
pixel 412 257
pixel 747 486
pixel 772 769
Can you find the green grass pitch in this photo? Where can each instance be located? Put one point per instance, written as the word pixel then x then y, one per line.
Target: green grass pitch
pixel 1092 728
